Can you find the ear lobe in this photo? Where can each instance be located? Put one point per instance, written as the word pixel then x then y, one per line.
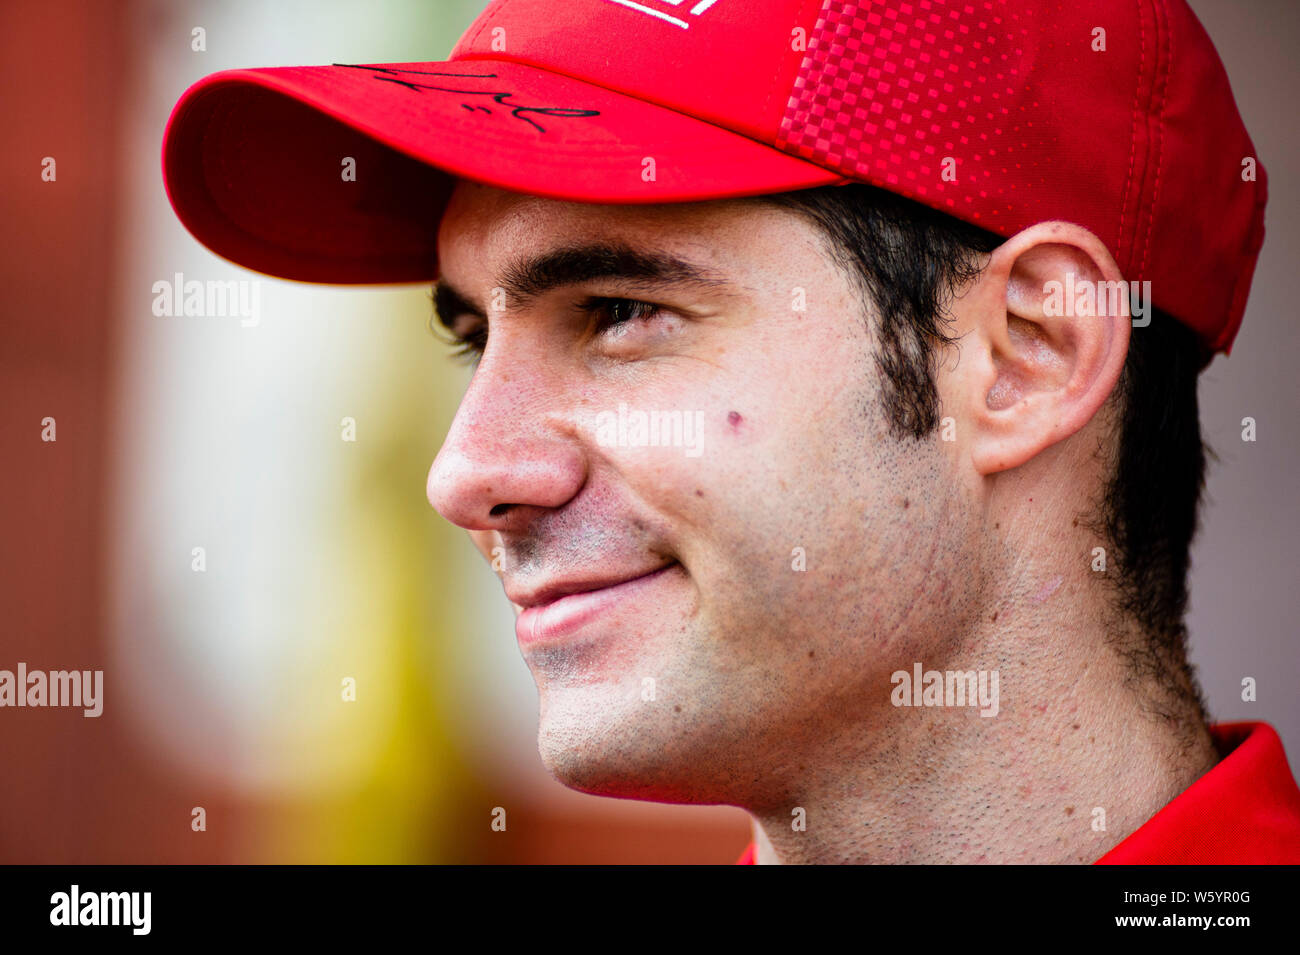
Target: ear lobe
pixel 1052 333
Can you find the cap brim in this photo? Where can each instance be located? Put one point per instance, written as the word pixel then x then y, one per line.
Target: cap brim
pixel 340 174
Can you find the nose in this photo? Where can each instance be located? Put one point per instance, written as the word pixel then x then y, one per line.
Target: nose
pixel 511 452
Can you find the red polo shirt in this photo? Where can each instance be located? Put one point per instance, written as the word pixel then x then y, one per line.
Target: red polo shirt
pixel 1244 811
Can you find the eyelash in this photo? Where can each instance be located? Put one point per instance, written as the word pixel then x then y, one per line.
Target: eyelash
pixel 469 347
pixel 605 305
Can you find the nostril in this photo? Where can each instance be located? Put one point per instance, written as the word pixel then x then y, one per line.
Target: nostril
pixel 499 510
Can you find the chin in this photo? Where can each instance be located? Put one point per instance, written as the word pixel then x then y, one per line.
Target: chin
pixel 624 758
pixel 615 781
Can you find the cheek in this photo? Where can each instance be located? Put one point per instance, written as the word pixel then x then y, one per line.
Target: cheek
pixel 729 506
pixel 797 487
pixel 696 478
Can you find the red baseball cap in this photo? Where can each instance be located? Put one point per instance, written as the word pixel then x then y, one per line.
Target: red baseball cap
pixel 1115 114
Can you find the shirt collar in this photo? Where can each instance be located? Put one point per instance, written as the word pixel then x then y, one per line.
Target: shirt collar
pixel 1246 810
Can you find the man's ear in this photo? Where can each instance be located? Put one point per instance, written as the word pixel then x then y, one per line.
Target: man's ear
pixel 1048 322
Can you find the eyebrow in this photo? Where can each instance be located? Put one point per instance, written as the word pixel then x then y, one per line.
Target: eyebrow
pixel 526 279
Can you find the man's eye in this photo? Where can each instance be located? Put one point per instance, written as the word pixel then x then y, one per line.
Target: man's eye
pixel 469 347
pixel 617 316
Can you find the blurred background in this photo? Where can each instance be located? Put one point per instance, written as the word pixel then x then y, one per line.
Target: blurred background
pixel 321 557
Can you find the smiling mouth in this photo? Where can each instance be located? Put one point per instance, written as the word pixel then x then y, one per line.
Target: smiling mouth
pixel 566 614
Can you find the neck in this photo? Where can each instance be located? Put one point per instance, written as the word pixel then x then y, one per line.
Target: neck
pixel 1072 763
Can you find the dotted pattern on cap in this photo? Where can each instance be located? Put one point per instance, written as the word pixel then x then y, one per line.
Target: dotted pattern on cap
pixel 878 98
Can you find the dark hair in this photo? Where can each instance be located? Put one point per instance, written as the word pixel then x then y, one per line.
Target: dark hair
pixel 910 260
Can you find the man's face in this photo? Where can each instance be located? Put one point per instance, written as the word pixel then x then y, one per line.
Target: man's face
pixel 756 579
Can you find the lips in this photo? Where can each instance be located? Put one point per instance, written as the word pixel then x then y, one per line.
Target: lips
pixel 539 596
pixel 560 609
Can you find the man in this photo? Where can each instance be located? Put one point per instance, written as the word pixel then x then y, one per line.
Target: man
pixel 833 427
